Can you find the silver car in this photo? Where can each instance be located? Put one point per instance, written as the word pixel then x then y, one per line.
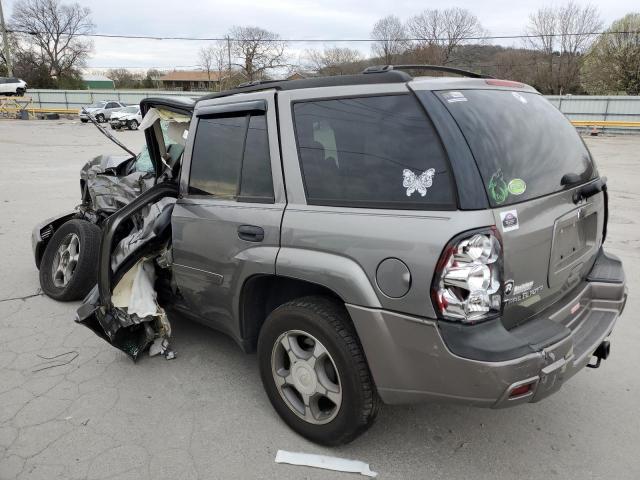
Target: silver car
pixel 376 238
pixel 101 111
pixel 128 117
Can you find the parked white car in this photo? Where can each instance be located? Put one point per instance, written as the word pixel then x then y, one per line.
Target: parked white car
pixel 12 86
pixel 101 111
pixel 129 117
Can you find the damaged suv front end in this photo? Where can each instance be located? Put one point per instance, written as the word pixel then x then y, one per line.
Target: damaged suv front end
pixel 110 182
pixel 127 202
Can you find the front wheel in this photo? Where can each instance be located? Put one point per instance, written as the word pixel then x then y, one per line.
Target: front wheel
pixel 314 371
pixel 68 268
pixel 100 118
pixel 20 92
pixel 132 125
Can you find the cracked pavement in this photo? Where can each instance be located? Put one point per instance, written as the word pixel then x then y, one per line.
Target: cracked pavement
pixel 94 414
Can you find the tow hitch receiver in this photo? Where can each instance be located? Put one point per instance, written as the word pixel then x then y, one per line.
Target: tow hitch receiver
pixel 601 353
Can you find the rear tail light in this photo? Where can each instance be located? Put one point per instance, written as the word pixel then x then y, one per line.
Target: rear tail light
pixel 467 285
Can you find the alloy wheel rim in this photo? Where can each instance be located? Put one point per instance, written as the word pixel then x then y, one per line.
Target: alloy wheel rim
pixel 306 377
pixel 65 260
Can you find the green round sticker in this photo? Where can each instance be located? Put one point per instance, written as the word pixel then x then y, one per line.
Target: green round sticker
pixel 517 186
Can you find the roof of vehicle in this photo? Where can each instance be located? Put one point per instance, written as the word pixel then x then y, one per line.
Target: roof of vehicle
pixel 394 76
pixel 456 78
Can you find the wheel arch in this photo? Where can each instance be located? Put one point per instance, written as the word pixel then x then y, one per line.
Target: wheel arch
pixel 262 294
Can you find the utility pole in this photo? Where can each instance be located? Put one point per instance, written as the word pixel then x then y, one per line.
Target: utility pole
pixel 229 52
pixel 5 42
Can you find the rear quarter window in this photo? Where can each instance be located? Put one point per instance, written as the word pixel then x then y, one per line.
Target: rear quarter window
pixel 522 144
pixel 376 152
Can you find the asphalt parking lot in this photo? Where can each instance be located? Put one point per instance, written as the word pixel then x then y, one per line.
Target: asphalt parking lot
pixel 204 414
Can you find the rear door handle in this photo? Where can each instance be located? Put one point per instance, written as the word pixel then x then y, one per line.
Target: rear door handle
pixel 250 233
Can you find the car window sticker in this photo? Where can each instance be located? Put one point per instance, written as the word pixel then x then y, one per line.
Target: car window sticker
pixel 419 183
pixel 517 186
pixel 498 188
pixel 454 97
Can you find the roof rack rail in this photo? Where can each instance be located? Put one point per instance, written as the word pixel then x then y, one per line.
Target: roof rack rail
pixel 433 68
pixel 258 82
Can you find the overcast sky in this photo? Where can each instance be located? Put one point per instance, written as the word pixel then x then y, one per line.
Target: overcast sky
pixel 289 18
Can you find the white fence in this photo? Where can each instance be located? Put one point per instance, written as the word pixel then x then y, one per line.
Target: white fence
pixel 576 107
pixel 609 108
pixel 74 99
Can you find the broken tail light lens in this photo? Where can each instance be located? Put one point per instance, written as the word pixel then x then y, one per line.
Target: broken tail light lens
pixel 467 285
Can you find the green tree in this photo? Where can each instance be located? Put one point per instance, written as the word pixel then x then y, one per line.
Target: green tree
pixel 613 63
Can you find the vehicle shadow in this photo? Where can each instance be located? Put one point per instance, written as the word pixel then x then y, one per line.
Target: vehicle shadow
pixel 404 438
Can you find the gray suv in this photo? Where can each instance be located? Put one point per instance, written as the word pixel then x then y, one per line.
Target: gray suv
pixel 376 238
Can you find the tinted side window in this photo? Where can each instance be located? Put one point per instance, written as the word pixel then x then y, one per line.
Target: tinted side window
pixel 112 105
pixel 379 152
pixel 216 156
pixel 257 183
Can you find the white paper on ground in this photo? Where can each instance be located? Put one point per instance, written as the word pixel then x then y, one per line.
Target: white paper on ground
pixel 323 461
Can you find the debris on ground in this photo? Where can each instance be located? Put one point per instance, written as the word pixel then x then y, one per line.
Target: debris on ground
pixel 325 462
pixel 56 361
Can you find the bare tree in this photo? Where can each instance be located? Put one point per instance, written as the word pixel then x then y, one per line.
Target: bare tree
pixel 125 78
pixel 334 61
pixel 562 35
pixel 54 33
pixel 13 47
pixel 205 59
pixel 442 32
pixel 613 63
pixel 257 51
pixel 213 59
pixel 390 38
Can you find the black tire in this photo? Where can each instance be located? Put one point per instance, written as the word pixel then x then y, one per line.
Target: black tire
pixel 84 275
pixel 83 120
pixel 132 124
pixel 328 321
pixel 20 92
pixel 113 127
pixel 100 118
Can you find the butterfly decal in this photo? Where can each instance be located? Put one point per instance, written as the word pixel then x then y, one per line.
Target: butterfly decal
pixel 420 183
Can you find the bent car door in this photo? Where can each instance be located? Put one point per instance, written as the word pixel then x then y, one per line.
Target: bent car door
pixel 226 223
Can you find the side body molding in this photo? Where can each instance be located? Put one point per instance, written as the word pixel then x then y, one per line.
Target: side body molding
pixel 337 273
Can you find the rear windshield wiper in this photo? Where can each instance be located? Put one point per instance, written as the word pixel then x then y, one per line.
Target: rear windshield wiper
pixel 585 191
pixel 107 134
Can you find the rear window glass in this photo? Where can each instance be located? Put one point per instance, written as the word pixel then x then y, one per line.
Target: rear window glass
pixel 523 145
pixel 378 152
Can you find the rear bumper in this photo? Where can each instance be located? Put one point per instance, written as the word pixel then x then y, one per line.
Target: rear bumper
pixel 414 359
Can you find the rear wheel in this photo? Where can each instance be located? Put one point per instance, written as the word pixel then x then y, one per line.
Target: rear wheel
pixel 83 120
pixel 68 269
pixel 314 371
